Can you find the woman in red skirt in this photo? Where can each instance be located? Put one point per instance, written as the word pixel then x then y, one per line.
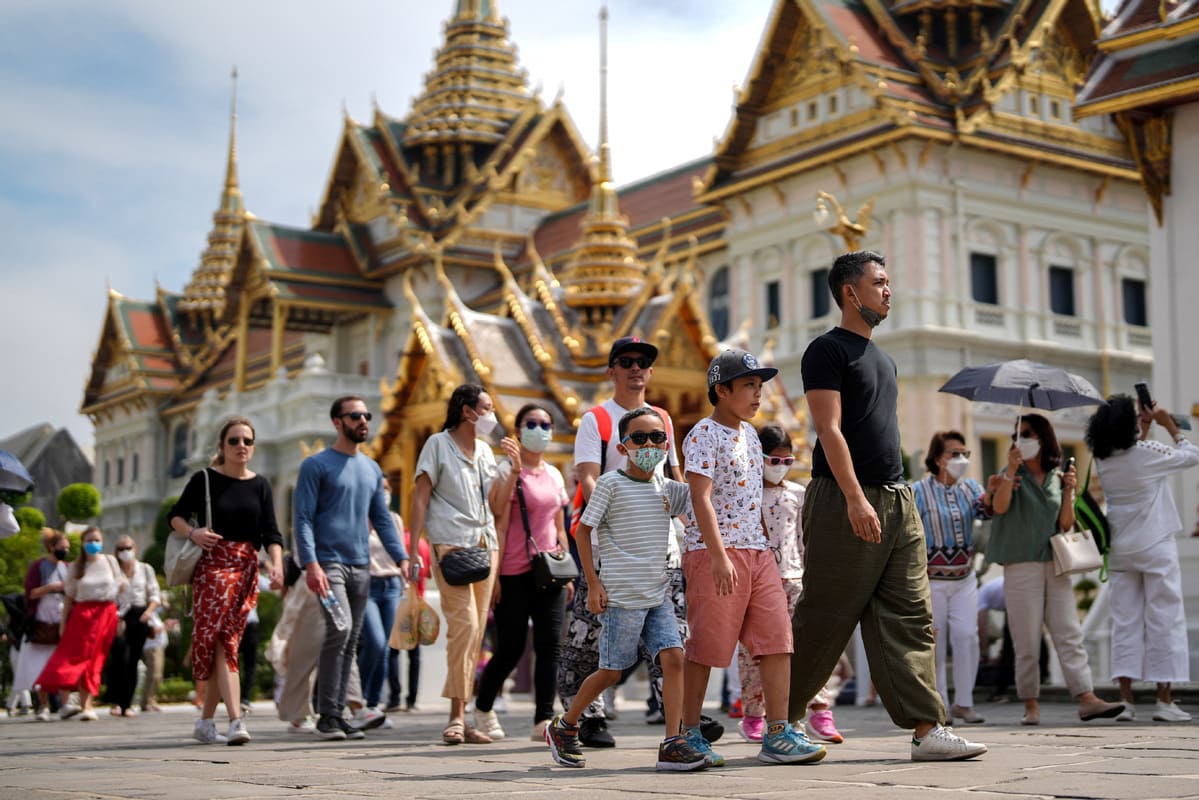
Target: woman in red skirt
pixel 225 583
pixel 89 621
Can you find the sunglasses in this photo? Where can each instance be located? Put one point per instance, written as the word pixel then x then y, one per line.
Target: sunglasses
pixel 234 441
pixel 357 415
pixel 641 437
pixel 960 454
pixel 534 424
pixel 627 362
pixel 775 461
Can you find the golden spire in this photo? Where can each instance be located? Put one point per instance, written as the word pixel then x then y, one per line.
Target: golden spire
pixel 206 290
pixel 603 274
pixel 475 90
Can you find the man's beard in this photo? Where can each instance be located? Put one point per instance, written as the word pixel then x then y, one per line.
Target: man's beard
pixel 356 435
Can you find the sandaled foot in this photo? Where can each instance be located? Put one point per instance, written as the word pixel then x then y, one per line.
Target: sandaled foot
pixel 454 733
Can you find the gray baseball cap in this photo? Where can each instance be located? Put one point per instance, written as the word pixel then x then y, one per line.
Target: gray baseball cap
pixel 732 364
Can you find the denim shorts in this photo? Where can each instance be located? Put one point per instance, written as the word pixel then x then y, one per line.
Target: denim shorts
pixel 623 628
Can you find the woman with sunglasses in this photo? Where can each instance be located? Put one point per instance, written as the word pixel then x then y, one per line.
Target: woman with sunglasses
pixel 454 472
pixel 1033 499
pixel 89 622
pixel 226 579
pixel 136 608
pixel 529 495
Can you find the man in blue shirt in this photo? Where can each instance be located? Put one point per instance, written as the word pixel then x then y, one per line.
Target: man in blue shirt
pixel 339 497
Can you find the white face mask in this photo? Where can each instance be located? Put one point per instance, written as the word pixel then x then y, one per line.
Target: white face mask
pixel 956 467
pixel 125 555
pixel 485 424
pixel 775 473
pixel 1029 448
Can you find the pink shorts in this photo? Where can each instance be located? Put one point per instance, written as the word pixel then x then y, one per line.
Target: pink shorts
pixel 754 614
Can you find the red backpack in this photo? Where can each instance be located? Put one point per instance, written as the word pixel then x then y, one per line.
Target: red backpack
pixel 604 423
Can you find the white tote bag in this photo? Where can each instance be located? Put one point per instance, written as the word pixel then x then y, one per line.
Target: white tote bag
pixel 183 554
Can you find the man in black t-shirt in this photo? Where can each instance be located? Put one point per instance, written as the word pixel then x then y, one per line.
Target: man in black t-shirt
pixel 864 556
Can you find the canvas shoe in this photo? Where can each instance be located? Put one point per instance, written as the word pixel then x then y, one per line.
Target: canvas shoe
pixel 677 755
pixel 205 732
pixel 942 744
pixel 489 723
pixel 1170 712
pixel 328 729
pixel 821 725
pixel 752 728
pixel 695 738
pixel 564 743
pixel 1129 714
pixel 237 733
pixel 785 745
pixel 366 719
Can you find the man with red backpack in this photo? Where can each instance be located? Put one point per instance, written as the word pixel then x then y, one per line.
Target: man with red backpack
pixel 630 367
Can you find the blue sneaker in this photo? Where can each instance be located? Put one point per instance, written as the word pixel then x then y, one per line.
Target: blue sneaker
pixel 785 745
pixel 696 739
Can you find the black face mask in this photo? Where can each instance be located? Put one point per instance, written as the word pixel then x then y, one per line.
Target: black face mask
pixel 61 554
pixel 869 315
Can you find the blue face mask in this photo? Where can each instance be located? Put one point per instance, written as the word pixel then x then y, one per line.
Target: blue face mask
pixel 93 548
pixel 647 459
pixel 535 440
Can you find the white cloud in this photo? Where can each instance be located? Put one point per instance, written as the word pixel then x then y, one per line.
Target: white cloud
pixel 112 144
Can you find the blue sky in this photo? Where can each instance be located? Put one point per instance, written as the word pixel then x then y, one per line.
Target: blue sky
pixel 115 126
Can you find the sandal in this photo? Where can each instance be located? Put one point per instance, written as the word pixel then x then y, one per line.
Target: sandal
pixel 454 733
pixel 476 736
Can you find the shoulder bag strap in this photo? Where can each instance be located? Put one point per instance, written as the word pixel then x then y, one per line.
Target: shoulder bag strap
pixel 207 501
pixel 524 518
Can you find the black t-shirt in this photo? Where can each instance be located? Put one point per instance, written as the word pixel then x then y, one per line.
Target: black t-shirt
pixel 844 362
pixel 242 510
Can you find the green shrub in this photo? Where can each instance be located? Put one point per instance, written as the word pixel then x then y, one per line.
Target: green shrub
pixel 29 518
pixel 78 502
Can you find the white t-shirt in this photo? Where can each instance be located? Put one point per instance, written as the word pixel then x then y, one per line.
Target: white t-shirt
pixel 1140 505
pixel 782 506
pixel 102 581
pixel 631 520
pixel 732 459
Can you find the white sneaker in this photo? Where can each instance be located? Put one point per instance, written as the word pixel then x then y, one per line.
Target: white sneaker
pixel 1170 712
pixel 1129 714
pixel 365 719
pixel 942 744
pixel 43 714
pixel 304 726
pixel 205 732
pixel 68 710
pixel 489 723
pixel 237 733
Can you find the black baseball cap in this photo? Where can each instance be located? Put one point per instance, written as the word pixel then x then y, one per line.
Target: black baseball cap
pixel 626 344
pixel 732 364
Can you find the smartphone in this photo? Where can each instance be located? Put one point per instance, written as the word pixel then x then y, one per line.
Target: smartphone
pixel 1144 396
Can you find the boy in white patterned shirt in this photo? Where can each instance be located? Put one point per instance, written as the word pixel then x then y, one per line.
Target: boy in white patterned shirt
pixel 733 588
pixel 631 510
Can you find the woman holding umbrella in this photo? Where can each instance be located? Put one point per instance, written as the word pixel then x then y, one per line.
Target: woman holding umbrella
pixel 1032 500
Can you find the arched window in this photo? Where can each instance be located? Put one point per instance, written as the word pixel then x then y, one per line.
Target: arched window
pixel 718 303
pixel 179 452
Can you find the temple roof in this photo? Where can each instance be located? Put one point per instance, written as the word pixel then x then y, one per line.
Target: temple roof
pixel 837 76
pixel 138 351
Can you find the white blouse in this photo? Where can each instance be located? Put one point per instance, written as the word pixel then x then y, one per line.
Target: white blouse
pixel 1140 505
pixel 102 581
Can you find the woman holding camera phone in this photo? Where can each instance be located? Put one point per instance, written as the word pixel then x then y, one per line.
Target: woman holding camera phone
pixel 1033 499
pixel 1149 630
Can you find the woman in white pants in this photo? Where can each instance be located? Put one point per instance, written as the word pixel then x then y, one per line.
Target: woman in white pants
pixel 949 503
pixel 1149 629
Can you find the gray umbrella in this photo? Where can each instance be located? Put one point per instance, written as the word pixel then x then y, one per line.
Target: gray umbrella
pixel 1023 383
pixel 13 475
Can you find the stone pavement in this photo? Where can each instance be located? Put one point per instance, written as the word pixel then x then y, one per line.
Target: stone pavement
pixel 152 757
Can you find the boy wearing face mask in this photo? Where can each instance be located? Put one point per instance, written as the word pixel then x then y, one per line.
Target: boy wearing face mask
pixel 948 503
pixel 630 511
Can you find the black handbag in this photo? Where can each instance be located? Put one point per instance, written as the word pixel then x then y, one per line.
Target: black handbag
pixel 465 565
pixel 550 570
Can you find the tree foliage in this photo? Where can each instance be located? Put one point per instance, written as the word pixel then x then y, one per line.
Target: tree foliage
pixel 78 502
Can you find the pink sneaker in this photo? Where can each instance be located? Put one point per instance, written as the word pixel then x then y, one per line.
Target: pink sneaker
pixel 822 726
pixel 752 728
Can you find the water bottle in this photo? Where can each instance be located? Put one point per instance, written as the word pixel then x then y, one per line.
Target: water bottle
pixel 337 612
